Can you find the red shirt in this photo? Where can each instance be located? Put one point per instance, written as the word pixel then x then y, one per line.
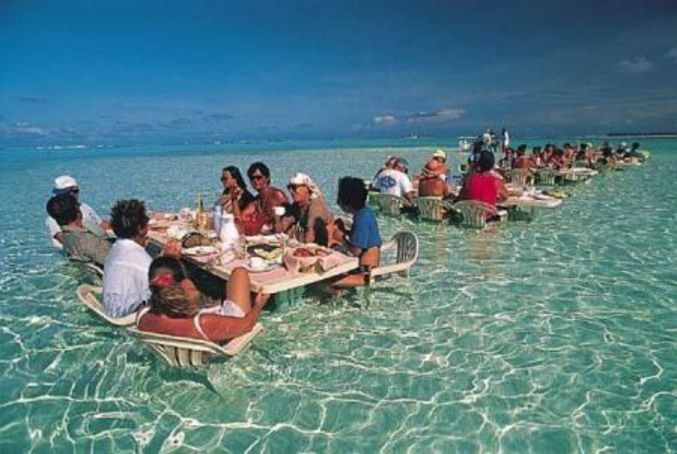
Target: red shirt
pixel 482 187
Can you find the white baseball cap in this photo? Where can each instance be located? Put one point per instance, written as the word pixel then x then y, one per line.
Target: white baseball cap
pixel 64 182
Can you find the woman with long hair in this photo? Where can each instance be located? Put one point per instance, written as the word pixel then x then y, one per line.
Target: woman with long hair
pixel 176 307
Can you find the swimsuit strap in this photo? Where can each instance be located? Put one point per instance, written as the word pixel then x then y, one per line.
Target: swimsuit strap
pixel 196 320
pixel 144 310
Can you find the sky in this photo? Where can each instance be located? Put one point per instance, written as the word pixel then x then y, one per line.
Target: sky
pixel 140 72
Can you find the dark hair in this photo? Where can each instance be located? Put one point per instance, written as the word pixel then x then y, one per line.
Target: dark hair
pixel 261 167
pixel 235 173
pixel 522 147
pixel 352 193
pixel 64 208
pixel 321 232
pixel 291 210
pixel 485 161
pixel 536 150
pixel 168 297
pixel 635 145
pixel 128 217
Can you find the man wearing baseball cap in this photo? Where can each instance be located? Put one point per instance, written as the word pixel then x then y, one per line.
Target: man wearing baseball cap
pixel 66 184
pixel 435 176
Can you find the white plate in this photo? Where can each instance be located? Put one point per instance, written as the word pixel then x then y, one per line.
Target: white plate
pixel 200 250
pixel 269 266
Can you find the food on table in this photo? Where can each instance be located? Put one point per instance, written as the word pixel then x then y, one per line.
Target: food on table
pixel 195 239
pixel 311 252
pixel 265 251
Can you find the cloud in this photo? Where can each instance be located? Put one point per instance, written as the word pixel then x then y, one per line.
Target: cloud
pixel 672 54
pixel 439 115
pixel 385 120
pixel 32 99
pixel 23 127
pixel 636 66
pixel 217 117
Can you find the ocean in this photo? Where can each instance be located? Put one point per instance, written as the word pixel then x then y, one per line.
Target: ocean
pixel 558 335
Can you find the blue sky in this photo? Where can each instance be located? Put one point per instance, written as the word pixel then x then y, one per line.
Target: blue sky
pixel 121 72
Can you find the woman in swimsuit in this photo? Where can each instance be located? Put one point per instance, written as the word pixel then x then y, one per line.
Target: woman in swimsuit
pixel 177 308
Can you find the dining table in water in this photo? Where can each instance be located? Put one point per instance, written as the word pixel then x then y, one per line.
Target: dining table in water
pixel 266 275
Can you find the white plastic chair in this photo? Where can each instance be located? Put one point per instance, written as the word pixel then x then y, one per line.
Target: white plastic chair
pixel 432 208
pixel 89 296
pixel 474 212
pixel 407 251
pixel 189 352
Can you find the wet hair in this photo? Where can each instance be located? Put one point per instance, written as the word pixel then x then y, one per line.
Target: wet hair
pixel 522 147
pixel 235 173
pixel 536 150
pixel 261 167
pixel 128 217
pixel 64 208
pixel 167 296
pixel 486 161
pixel 352 193
pixel 584 146
pixel 635 145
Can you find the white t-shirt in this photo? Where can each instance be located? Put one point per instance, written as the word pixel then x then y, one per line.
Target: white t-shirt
pixel 394 182
pixel 90 220
pixel 125 278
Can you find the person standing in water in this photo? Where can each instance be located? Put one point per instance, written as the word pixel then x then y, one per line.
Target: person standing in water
pixel 505 140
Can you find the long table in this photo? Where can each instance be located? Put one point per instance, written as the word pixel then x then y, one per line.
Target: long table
pixel 531 202
pixel 276 280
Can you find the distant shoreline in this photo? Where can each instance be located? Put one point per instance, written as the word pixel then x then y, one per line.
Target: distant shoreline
pixel 639 135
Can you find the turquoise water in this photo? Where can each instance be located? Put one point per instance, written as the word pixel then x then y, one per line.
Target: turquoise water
pixel 553 336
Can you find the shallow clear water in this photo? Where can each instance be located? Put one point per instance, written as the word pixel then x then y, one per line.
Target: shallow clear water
pixel 553 336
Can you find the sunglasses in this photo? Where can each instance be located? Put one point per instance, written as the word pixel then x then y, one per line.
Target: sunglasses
pixel 294 187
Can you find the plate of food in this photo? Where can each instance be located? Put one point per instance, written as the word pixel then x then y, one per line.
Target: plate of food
pixel 311 251
pixel 197 251
pixel 270 252
pixel 259 265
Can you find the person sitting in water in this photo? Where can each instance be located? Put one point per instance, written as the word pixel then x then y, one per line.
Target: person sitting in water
pixel 507 162
pixel 521 161
pixel 557 160
pixel 177 308
pixel 91 221
pixel 78 242
pixel 125 282
pixel 634 152
pixel 235 195
pixel 388 164
pixel 267 199
pixel 434 179
pixel 314 219
pixel 395 181
pixel 481 184
pixel 364 239
pixel 535 158
pixel 287 219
